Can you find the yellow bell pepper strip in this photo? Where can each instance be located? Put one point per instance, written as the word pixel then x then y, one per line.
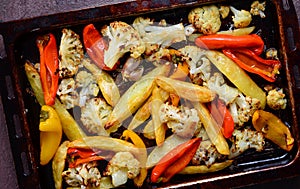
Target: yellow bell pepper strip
pixel 249 61
pixel 273 129
pixel 138 142
pixel 174 161
pixel 50 133
pixel 181 72
pixel 196 169
pixel 237 76
pixel 48 66
pixel 70 127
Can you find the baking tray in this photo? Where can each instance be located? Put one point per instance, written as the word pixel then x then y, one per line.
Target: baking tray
pixel 281 30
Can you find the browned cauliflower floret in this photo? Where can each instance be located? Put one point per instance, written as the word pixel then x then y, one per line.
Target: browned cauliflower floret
pixel 70 53
pixel 242 108
pixel 122 38
pixel 258 8
pixel 205 19
pixel 243 140
pixel 224 11
pixel 67 93
pixel 241 18
pixel 94 115
pixel 276 100
pixel 84 175
pixel 158 36
pixel 121 167
pixel 183 121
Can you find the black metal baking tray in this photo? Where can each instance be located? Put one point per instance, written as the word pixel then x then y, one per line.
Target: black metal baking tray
pixel 280 30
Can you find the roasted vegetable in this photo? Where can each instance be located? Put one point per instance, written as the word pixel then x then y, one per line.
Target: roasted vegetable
pixel 237 76
pixel 48 67
pixel 50 133
pixel 206 19
pixel 276 99
pixel 70 53
pixel 241 18
pixel 185 90
pixel 258 8
pixel 273 129
pixel 196 169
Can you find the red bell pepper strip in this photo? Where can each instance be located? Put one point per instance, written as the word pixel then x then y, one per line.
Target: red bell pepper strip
pixel 48 67
pixel 225 41
pixel 95 46
pixel 222 116
pixel 249 61
pixel 170 160
pixel 80 156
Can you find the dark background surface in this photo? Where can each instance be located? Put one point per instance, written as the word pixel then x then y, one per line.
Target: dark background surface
pixel 22 9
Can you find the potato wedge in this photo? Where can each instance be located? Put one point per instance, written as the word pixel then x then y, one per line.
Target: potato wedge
pixel 134 98
pixel 237 76
pixel 106 83
pixel 185 90
pixel 70 127
pixel 148 131
pixel 159 127
pixel 239 31
pixel 204 169
pixel 213 130
pixel 273 129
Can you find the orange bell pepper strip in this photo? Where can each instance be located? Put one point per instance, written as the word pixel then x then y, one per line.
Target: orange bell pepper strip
pixel 48 67
pixel 95 46
pixel 174 161
pixel 249 61
pixel 225 41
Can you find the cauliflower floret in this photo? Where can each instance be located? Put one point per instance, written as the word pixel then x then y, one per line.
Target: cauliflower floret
pixel 67 93
pixel 87 85
pixel 70 53
pixel 158 36
pixel 243 140
pixel 122 38
pixel 94 116
pixel 217 84
pixel 121 167
pixel 272 53
pixel 258 8
pixel 200 67
pixel 241 18
pixel 224 11
pixel 183 121
pixel 276 100
pixel 84 176
pixel 242 108
pixel 206 19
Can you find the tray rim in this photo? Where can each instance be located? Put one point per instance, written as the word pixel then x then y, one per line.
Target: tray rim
pixel 287 170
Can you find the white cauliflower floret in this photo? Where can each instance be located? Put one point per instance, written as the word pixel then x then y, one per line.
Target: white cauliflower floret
pixel 243 140
pixel 241 18
pixel 276 100
pixel 84 175
pixel 242 108
pixel 70 53
pixel 122 38
pixel 67 93
pixel 199 65
pixel 206 19
pixel 225 92
pixel 94 116
pixel 158 36
pixel 183 121
pixel 121 167
pixel 258 8
pixel 87 85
